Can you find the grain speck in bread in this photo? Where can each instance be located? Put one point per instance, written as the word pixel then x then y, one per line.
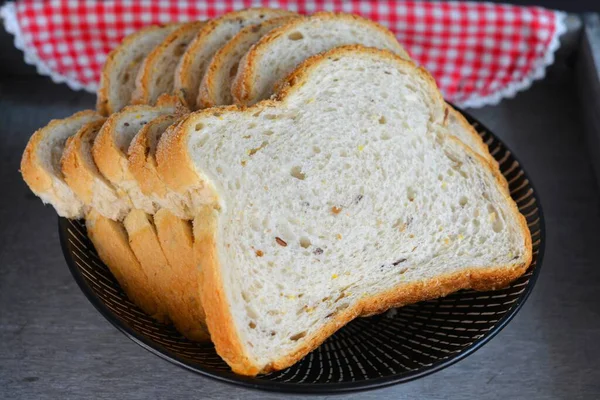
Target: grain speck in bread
pixel 117 81
pixel 418 213
pixel 211 37
pixel 40 164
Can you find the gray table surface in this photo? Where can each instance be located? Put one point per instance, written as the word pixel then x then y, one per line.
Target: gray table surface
pixel 53 343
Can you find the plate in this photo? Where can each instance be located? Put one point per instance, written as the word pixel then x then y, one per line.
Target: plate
pixel 398 346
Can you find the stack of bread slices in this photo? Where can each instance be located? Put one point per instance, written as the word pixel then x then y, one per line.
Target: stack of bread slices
pixel 261 179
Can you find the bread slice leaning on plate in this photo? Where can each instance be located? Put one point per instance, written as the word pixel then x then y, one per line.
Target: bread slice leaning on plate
pixel 333 206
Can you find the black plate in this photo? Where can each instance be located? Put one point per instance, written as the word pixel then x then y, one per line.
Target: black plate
pixel 395 347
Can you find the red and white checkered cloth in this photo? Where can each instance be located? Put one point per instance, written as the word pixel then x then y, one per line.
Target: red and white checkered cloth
pixel 479 53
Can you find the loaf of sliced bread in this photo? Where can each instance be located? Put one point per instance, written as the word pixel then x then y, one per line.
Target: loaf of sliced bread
pixel 156 74
pixel 281 50
pixel 82 175
pixel 40 164
pixel 333 206
pixel 215 89
pixel 211 37
pixel 111 146
pixel 112 244
pixel 117 81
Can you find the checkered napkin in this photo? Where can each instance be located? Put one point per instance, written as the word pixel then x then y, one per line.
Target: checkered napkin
pixel 479 53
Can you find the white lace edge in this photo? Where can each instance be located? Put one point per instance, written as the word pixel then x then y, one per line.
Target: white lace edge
pixel 538 72
pixel 8 13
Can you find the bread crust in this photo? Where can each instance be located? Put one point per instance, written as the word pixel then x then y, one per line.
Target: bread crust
pixel 104 104
pixel 41 181
pixel 177 243
pixel 208 95
pixel 150 66
pixel 220 322
pixel 79 178
pixel 242 87
pixel 142 160
pixel 186 84
pixel 112 245
pixel 110 159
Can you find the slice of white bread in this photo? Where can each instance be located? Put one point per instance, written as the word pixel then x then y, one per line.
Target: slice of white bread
pixel 156 74
pixel 82 175
pixel 112 244
pixel 215 89
pixel 40 164
pixel 211 37
pixel 281 50
pixel 117 81
pixel 334 206
pixel 177 243
pixel 111 145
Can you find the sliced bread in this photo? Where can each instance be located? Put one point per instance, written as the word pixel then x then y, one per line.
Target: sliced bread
pixel 40 164
pixel 112 244
pixel 173 233
pixel 142 164
pixel 117 81
pixel 174 284
pixel 110 149
pixel 284 48
pixel 156 74
pixel 177 243
pixel 333 206
pixel 82 175
pixel 215 89
pixel 211 37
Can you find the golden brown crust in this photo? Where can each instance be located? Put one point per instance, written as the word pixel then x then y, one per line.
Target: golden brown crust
pixel 112 244
pixel 106 152
pixel 219 319
pixel 142 161
pixel 185 86
pixel 149 68
pixel 110 159
pixel 243 87
pixel 104 104
pixel 177 243
pixel 145 246
pixel 38 179
pixel 77 176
